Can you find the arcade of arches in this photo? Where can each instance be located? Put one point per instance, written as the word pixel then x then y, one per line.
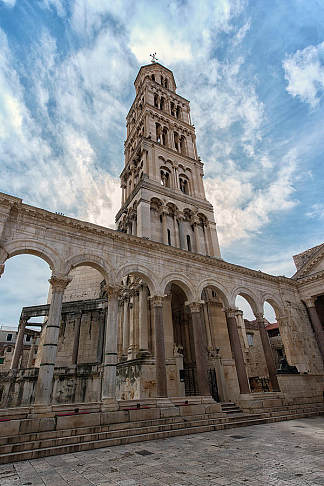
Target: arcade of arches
pixel 147 312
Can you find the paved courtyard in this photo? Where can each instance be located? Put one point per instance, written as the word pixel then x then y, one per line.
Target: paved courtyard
pixel 286 453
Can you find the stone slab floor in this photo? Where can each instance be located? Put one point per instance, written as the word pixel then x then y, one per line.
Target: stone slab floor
pixel 285 453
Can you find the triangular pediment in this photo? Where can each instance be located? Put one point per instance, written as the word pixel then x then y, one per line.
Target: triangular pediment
pixel 309 262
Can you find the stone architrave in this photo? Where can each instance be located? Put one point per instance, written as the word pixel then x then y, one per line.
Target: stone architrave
pixel 237 351
pixel 161 378
pixel 49 348
pixel 110 359
pixel 267 352
pixel 317 325
pixel 201 351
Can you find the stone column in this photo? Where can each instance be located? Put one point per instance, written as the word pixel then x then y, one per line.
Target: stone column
pixel 196 231
pixel 317 325
pixel 75 350
pixel 201 352
pixel 181 232
pixel 143 321
pixel 144 219
pixel 237 351
pixel 125 327
pixel 176 231
pixel 168 326
pixel 108 391
pixel 19 346
pixel 31 352
pixel 123 187
pixel 164 226
pixel 131 329
pixel 49 348
pixel 268 353
pixel 120 328
pixel 207 325
pixel 161 378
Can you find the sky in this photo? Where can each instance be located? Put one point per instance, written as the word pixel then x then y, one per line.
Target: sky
pixel 253 72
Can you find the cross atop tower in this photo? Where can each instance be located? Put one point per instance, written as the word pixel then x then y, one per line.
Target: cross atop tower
pixel 154 58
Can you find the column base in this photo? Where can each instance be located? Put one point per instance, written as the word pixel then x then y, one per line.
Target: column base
pixel 41 410
pixel 109 405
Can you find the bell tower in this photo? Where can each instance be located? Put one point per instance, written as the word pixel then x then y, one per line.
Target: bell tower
pixel 163 195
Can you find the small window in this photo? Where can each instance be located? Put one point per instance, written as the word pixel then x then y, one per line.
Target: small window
pixel 250 337
pixel 9 337
pixel 169 237
pixel 1 360
pixel 28 338
pixel 9 349
pixel 153 77
pixel 160 219
pixel 188 243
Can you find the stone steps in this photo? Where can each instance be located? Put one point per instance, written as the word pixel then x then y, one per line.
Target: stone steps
pixel 46 439
pixel 230 408
pixel 73 440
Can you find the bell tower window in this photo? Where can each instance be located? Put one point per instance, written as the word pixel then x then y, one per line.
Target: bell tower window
pixel 165 137
pixel 162 104
pixel 158 132
pixel 183 185
pixel 172 108
pixel 156 101
pixel 153 77
pixel 176 141
pixel 188 243
pixel 169 237
pixel 178 112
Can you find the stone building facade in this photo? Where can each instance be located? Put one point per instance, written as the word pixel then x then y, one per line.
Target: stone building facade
pixel 148 311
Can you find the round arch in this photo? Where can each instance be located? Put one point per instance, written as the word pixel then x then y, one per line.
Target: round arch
pixel 277 306
pixel 36 248
pixel 180 280
pixel 94 261
pixel 249 296
pixel 223 292
pixel 143 272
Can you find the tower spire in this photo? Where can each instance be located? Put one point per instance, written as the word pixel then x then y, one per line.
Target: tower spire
pixel 163 196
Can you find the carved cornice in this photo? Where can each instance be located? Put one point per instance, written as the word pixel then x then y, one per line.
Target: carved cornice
pixel 310 278
pixel 57 222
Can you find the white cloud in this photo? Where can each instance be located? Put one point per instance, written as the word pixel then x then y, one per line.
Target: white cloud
pixel 159 39
pixel 72 182
pixel 316 211
pixel 242 209
pixel 8 3
pixel 304 72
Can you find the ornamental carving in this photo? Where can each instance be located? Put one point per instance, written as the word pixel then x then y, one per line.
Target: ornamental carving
pixel 194 307
pixel 157 301
pixel 59 283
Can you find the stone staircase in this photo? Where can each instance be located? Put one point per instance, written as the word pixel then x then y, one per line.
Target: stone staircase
pixel 47 443
pixel 230 408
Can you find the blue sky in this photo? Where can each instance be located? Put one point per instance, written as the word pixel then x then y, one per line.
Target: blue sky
pixel 254 73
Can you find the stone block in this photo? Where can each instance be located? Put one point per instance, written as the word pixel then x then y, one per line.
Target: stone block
pixel 214 408
pixel 114 417
pixel 11 427
pixel 277 402
pixel 29 426
pixel 170 412
pixel 144 414
pixel 81 420
pixel 192 410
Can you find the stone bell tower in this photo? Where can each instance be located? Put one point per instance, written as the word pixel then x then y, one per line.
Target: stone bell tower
pixel 163 196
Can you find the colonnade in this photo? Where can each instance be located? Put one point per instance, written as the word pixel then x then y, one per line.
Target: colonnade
pixel 137 325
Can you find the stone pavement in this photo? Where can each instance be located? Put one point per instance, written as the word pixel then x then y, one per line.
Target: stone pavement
pixel 284 453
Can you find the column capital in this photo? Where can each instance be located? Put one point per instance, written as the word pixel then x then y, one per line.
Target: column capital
pixel 59 282
pixel 113 290
pixel 156 300
pixel 310 301
pixel 259 317
pixel 194 307
pixel 230 311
